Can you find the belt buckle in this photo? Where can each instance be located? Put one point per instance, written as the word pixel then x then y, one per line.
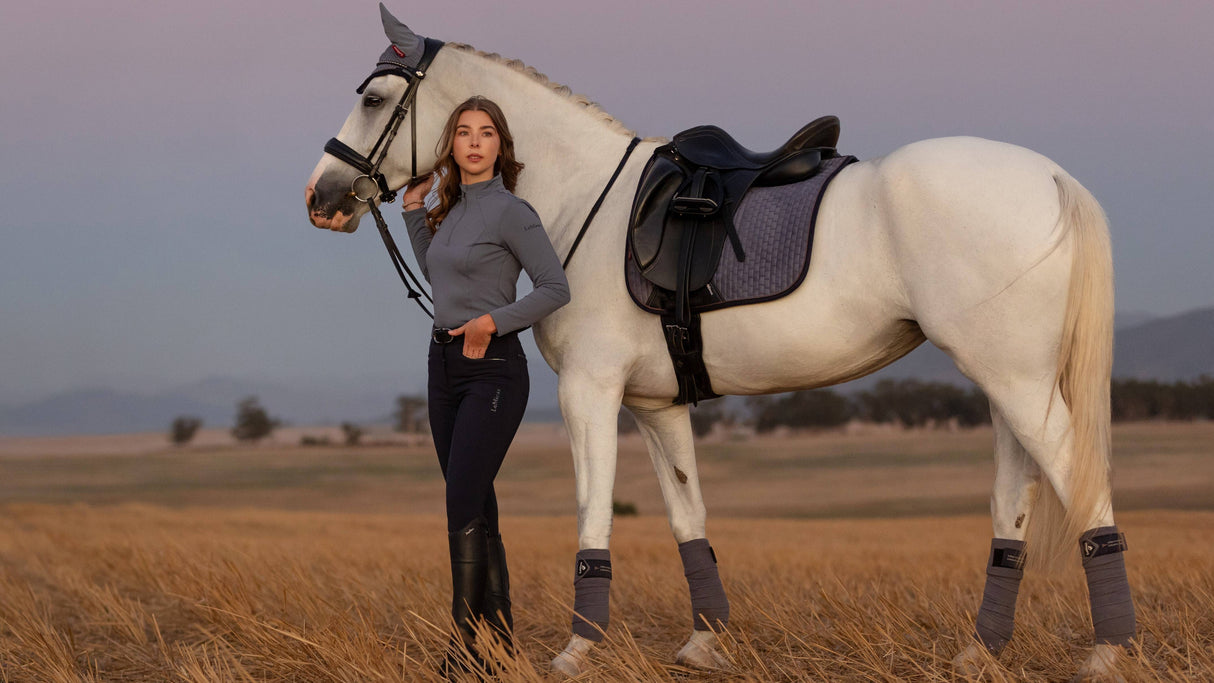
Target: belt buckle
pixel 442 335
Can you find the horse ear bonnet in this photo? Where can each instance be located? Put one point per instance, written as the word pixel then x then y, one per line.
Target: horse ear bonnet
pixel 405 52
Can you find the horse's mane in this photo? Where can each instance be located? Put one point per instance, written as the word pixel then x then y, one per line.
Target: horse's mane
pixel 563 90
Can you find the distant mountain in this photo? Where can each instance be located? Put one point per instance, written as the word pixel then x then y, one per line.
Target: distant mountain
pixel 364 400
pixel 100 411
pixel 1168 349
pixel 1180 347
pixel 1127 319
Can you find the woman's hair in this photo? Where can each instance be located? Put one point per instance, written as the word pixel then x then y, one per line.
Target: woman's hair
pixel 448 170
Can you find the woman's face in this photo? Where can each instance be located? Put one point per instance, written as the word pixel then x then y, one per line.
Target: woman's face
pixel 475 146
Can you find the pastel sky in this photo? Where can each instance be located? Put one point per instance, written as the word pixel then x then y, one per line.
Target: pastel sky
pixel 153 155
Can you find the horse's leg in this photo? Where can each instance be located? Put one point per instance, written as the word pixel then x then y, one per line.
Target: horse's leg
pixel 1016 482
pixel 590 406
pixel 1101 546
pixel 1026 369
pixel 667 432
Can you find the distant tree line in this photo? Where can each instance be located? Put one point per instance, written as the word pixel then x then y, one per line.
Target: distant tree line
pixel 1136 399
pixel 916 403
pixel 907 402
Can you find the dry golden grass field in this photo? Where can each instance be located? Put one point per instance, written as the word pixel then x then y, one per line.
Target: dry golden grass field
pixel 847 556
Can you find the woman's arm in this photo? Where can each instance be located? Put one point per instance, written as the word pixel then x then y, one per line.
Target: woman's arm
pixel 525 237
pixel 415 220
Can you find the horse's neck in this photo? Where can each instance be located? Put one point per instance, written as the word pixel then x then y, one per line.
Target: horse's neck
pixel 568 150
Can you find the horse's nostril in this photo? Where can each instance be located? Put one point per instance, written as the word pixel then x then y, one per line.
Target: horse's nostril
pixel 309 196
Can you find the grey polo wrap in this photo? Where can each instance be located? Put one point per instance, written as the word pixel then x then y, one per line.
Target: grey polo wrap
pixel 1108 590
pixel 591 593
pixel 996 616
pixel 709 606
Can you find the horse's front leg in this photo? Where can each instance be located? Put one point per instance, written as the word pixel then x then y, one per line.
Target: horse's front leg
pixel 590 405
pixel 667 432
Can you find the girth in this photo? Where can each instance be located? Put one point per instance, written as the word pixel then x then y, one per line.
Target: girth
pixel 683 213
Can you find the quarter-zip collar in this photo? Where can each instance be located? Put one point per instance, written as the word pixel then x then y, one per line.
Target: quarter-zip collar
pixel 483 188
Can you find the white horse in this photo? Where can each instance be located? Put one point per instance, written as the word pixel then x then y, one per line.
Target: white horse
pixel 990 251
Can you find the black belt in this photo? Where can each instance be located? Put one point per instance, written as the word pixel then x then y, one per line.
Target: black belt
pixel 442 335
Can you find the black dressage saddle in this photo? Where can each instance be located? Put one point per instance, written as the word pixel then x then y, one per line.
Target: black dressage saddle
pixel 683 213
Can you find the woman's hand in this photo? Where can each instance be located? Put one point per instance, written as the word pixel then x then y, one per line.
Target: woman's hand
pixel 416 193
pixel 477 333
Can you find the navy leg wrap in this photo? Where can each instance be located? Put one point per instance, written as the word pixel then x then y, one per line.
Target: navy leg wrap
pixel 709 606
pixel 591 593
pixel 996 616
pixel 1108 588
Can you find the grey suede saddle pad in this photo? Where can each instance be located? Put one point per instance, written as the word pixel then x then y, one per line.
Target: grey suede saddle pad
pixel 776 227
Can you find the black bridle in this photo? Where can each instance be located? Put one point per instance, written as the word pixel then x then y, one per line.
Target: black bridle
pixel 372 184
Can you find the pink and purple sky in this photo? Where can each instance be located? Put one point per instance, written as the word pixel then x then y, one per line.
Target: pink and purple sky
pixel 153 155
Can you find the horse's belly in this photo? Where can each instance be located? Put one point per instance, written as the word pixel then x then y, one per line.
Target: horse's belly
pixel 763 353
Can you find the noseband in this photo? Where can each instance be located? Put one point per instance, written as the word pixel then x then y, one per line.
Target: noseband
pixel 372 184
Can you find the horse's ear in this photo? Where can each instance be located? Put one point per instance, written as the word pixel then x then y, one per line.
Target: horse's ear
pixel 399 35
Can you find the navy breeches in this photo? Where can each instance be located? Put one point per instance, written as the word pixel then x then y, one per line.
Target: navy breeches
pixel 475 405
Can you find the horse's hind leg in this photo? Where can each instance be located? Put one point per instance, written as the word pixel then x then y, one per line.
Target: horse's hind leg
pixel 1016 482
pixel 1037 416
pixel 667 432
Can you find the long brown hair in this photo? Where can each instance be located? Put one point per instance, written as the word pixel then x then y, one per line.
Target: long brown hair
pixel 449 176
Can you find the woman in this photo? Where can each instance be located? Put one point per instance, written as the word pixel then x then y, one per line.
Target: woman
pixel 471 247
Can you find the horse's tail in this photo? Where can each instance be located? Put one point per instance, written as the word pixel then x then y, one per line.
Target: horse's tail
pixel 1085 366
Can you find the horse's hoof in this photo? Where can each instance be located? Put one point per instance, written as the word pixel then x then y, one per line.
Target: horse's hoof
pixel 574 658
pixel 973 661
pixel 700 652
pixel 1102 665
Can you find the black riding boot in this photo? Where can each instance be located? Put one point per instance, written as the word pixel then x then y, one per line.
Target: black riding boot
pixel 496 606
pixel 469 562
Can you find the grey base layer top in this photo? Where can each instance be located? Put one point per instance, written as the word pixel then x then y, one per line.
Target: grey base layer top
pixel 474 259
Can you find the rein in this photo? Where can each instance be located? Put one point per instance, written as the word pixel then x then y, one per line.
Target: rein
pixel 603 195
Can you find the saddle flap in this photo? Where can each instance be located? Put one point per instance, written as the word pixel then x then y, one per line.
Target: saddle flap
pixel 673 205
pixel 660 181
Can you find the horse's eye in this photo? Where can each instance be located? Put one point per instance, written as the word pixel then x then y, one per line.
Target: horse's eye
pixel 372 101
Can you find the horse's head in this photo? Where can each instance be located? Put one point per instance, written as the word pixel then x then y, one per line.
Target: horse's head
pixel 337 192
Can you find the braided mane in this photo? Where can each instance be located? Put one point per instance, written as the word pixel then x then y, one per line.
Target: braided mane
pixel 517 65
